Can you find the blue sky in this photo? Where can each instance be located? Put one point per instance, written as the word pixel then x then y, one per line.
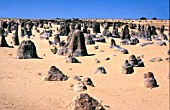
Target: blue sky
pixel 125 9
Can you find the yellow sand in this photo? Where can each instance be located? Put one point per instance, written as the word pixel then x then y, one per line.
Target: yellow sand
pixel 21 88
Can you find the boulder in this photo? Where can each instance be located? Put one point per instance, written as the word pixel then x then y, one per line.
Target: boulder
pixel 71 59
pixel 133 61
pixel 161 43
pixel 80 86
pixel 27 50
pixel 149 80
pixel 85 102
pixel 100 70
pixel 127 68
pixel 88 39
pixel 99 39
pixel 87 81
pixel 76 45
pixel 54 74
pixel 54 50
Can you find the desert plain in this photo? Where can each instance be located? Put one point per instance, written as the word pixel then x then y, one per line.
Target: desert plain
pixel 22 88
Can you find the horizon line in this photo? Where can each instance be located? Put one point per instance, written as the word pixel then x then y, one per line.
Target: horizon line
pixel 83 18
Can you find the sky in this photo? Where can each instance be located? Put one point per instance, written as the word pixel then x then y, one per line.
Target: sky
pixel 115 9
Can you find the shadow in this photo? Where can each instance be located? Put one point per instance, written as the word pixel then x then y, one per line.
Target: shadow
pixel 76 62
pixel 157 85
pixel 140 66
pixel 28 58
pixel 100 42
pixel 8 46
pixel 86 55
pixel 90 54
pixel 38 58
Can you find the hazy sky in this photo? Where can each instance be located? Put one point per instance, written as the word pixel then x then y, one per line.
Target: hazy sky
pixel 124 9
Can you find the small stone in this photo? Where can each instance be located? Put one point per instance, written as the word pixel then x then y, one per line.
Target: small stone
pixel 107 58
pixel 101 51
pixel 156 59
pixel 114 55
pixel 101 70
pixel 96 60
pixel 39 73
pixel 80 87
pixel 96 47
pixel 71 85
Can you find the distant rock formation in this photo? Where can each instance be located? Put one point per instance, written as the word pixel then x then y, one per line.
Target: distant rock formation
pixel 3 42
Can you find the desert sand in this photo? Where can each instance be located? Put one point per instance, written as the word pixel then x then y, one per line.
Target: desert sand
pixel 21 88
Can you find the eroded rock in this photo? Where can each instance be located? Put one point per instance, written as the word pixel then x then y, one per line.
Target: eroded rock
pixel 54 74
pixel 27 50
pixel 100 70
pixel 127 68
pixel 149 80
pixel 85 102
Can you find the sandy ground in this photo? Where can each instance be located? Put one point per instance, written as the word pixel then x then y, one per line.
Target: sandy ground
pixel 21 88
